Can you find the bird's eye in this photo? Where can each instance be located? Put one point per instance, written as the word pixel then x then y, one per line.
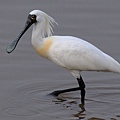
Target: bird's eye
pixel 33 17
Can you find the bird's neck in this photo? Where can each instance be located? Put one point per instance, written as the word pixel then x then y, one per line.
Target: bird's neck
pixel 37 35
pixel 38 30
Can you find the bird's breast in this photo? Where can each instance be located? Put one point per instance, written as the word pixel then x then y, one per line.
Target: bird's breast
pixel 43 49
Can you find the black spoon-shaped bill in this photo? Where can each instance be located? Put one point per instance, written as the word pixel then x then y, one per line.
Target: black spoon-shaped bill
pixel 29 22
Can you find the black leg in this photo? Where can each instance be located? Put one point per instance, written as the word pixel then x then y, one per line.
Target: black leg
pixel 56 93
pixel 82 86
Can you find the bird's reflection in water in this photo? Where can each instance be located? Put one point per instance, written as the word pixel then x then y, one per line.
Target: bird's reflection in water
pixel 69 102
pixel 80 114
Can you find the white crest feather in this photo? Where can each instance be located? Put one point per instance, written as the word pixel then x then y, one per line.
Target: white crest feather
pixel 48 26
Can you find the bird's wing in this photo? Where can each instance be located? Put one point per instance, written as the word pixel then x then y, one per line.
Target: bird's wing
pixel 76 54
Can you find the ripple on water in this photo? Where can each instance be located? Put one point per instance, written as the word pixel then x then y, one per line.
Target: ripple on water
pixel 21 111
pixel 32 92
pixel 33 99
pixel 27 100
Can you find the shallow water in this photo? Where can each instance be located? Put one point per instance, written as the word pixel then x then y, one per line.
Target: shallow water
pixel 26 80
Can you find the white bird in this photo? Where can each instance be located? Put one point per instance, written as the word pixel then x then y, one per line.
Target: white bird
pixel 71 53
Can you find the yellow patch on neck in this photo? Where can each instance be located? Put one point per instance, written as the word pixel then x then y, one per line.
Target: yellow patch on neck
pixel 45 47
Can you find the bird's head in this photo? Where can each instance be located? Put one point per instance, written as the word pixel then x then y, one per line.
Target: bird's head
pixel 34 17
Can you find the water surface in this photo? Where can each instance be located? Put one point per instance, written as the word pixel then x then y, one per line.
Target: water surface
pixel 27 79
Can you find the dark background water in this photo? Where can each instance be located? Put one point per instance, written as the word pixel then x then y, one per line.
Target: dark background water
pixel 26 79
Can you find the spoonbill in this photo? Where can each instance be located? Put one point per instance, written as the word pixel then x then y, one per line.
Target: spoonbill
pixel 71 53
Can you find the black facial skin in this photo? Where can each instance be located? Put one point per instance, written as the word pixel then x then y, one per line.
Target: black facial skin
pixel 30 20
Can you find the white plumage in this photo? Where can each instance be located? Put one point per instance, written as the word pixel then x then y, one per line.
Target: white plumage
pixel 72 53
